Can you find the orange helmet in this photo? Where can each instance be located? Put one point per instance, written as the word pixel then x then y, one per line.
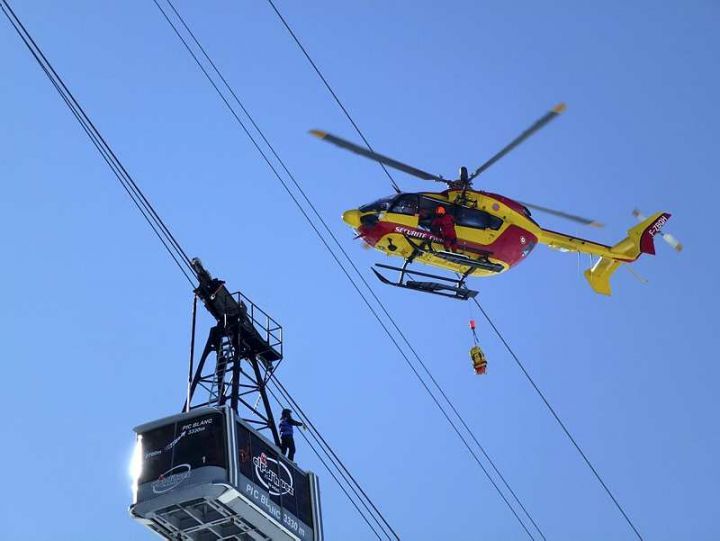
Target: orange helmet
pixel 440 211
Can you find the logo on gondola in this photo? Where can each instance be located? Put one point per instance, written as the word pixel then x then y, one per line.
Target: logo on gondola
pixel 273 475
pixel 171 478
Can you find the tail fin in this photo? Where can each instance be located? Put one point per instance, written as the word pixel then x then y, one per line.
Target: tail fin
pixel 639 241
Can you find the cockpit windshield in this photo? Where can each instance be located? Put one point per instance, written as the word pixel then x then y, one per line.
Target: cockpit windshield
pixel 379 205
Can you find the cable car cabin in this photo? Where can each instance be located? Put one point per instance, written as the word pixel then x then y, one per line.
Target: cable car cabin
pixel 206 475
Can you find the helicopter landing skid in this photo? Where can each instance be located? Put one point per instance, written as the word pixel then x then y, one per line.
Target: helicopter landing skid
pixel 452 288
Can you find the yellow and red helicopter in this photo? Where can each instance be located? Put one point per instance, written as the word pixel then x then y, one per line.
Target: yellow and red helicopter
pixel 494 232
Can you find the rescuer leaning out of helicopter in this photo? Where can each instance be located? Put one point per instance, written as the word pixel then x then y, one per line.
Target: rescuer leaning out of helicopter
pixel 444 225
pixel 287 441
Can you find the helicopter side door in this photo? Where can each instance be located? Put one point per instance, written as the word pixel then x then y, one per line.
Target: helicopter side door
pixel 476 225
pixel 426 210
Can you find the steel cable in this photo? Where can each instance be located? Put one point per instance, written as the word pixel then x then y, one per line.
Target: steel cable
pixel 141 202
pixel 133 190
pixel 321 237
pixel 332 93
pixel 559 421
pixel 527 375
pixel 332 457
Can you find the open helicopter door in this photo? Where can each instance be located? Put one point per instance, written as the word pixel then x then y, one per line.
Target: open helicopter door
pixel 207 475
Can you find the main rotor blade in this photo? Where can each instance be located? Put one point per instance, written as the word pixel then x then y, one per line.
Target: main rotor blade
pixel 567 216
pixel 540 123
pixel 362 151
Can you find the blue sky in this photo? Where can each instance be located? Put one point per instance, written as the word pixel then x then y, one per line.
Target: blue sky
pixel 95 317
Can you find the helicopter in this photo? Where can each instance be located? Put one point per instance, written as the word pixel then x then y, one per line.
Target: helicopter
pixel 494 232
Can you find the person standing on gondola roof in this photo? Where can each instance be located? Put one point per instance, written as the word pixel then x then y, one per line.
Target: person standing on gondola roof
pixel 287 441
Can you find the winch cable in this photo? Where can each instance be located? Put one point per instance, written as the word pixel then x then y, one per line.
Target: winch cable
pixel 126 181
pixel 559 421
pixel 332 253
pixel 333 94
pixel 527 375
pixel 286 400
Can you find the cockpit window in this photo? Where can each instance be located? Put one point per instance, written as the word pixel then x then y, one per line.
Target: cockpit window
pixel 405 204
pixel 379 205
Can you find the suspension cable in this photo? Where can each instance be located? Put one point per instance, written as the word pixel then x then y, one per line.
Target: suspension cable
pixel 559 421
pixel 144 206
pixel 297 407
pixel 322 239
pixel 527 375
pixel 342 249
pixel 166 237
pixel 136 195
pixel 332 93
pixel 332 457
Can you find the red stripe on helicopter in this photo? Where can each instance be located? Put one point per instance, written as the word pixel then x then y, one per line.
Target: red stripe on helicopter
pixel 511 247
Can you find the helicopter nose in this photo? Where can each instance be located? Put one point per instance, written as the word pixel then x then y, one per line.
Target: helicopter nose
pixel 352 218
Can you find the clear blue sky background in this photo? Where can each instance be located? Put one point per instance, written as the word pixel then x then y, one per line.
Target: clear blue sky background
pixel 95 317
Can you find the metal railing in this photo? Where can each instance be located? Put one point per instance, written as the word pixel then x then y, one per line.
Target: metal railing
pixel 269 329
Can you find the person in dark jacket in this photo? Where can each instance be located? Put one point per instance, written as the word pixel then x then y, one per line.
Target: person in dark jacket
pixel 287 442
pixel 443 225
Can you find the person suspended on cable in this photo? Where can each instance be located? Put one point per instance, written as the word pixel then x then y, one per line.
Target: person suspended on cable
pixel 443 225
pixel 477 355
pixel 287 441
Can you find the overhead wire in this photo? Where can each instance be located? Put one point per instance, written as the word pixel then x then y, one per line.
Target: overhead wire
pixel 297 407
pixel 153 219
pixel 332 93
pixel 331 251
pixel 527 375
pixel 350 260
pixel 166 237
pixel 257 146
pixel 148 212
pixel 372 291
pixel 331 456
pixel 559 421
